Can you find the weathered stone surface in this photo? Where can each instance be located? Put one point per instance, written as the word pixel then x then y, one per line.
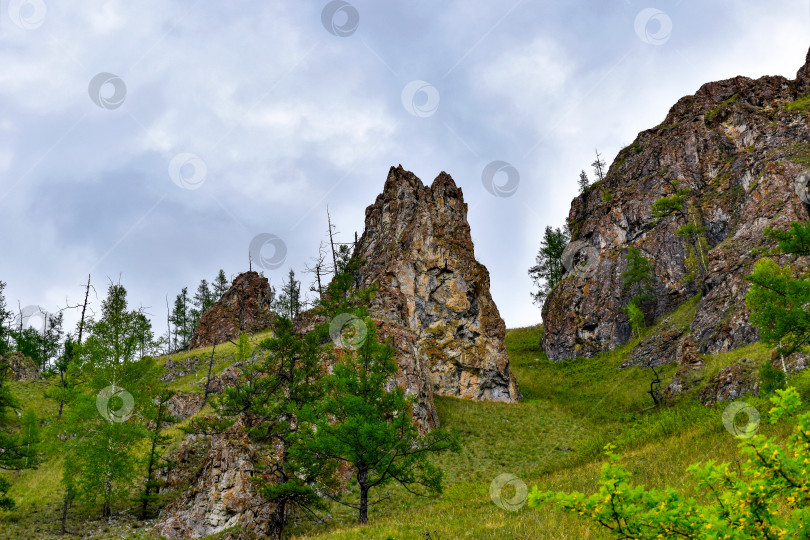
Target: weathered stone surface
pixel 183 405
pixel 174 369
pixel 21 368
pixel 731 383
pixel 738 147
pixel 216 490
pixel 433 296
pixel 229 377
pixel 658 350
pixel 245 307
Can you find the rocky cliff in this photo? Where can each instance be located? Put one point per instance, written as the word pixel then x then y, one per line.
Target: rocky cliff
pixel 433 295
pixel 245 307
pixel 740 147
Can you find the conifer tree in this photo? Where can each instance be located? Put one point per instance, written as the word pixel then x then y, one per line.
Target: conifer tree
pixel 548 270
pixel 220 285
pixel 583 182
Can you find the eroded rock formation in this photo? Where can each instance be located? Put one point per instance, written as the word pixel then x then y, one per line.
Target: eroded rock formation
pixel 245 307
pixel 433 296
pixel 213 477
pixel 738 145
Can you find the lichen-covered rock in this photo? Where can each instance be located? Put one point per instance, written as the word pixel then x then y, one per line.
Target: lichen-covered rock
pixel 173 369
pixel 229 377
pixel 215 486
pixel 245 307
pixel 689 375
pixel 731 383
pixel 433 296
pixel 738 145
pixel 183 405
pixel 791 363
pixel 21 367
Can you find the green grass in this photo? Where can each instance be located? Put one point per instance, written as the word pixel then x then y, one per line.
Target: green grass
pixel 552 439
pixel 714 112
pixel 801 104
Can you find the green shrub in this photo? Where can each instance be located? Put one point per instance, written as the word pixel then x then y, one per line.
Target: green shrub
pixel 766 495
pixel 771 378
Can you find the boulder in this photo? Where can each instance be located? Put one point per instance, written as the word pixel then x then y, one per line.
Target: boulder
pixel 245 307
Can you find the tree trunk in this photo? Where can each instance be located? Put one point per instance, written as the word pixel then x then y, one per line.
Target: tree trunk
pixel 278 520
pixel 208 379
pixel 331 241
pixel 106 510
pixel 63 520
pixel 84 309
pixel 362 479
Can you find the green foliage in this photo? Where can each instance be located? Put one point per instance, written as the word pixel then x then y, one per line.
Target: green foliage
pixel 636 316
pixel 639 270
pixel 795 241
pixel 801 104
pixel 244 348
pixel 106 418
pixel 548 270
pixel 220 285
pixel 5 321
pixel 669 205
pixel 19 437
pixel 766 496
pixel 787 403
pixel 779 300
pixel 182 319
pixel 638 276
pixel 583 182
pixel 289 303
pixel 363 424
pixel 271 398
pixel 156 414
pixel 6 502
pixel 605 195
pixel 771 378
pixel 714 112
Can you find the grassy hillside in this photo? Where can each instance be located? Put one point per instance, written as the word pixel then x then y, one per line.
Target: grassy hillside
pixel 552 439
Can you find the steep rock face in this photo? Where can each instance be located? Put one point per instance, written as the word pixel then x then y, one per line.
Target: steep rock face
pixel 214 478
pixel 433 296
pixel 245 307
pixel 739 145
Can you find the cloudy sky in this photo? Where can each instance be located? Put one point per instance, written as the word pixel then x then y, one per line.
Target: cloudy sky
pixel 154 140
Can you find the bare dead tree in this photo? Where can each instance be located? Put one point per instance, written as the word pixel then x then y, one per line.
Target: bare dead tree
pixel 318 269
pixel 169 328
pixel 332 240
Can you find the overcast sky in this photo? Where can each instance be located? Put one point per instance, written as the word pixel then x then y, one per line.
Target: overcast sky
pixel 154 140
